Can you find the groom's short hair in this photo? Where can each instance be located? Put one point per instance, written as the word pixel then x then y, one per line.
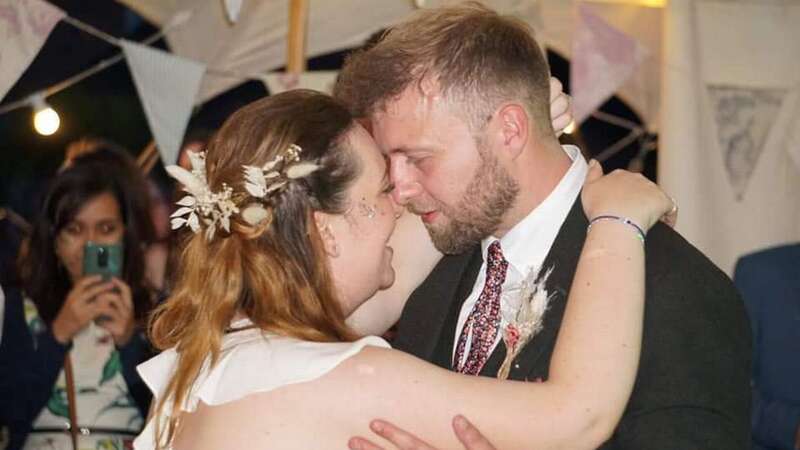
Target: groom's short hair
pixel 477 57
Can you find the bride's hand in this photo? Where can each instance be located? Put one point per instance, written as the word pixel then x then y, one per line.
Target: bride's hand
pixel 560 109
pixel 626 194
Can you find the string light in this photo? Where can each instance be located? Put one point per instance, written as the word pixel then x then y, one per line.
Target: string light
pixel 45 118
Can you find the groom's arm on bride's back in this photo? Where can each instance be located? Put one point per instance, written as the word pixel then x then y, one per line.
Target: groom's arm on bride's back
pixel 692 391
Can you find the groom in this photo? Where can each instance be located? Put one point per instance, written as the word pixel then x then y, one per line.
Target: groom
pixel 458 99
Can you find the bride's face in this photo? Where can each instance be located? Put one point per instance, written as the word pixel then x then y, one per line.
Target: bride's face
pixel 357 241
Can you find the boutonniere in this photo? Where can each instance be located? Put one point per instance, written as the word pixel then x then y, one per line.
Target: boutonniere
pixel 527 321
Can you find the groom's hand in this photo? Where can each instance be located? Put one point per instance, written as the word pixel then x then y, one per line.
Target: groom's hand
pixel 467 434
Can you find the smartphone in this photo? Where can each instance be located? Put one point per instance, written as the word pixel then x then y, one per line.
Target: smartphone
pixel 103 259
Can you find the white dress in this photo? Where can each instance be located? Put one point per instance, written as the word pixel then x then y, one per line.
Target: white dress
pixel 251 361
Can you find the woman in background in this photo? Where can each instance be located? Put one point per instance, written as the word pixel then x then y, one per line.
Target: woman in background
pixel 71 341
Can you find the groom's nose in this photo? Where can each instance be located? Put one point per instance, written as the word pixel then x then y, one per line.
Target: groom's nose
pixel 406 186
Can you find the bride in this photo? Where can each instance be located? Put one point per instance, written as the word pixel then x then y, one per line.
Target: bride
pixel 292 219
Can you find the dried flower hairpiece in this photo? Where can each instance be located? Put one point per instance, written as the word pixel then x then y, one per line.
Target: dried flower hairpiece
pixel 215 208
pixel 260 182
pixel 201 203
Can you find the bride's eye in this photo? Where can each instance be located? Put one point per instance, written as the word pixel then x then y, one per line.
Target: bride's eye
pixel 388 189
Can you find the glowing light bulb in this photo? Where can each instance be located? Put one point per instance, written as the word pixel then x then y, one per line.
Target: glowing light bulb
pixel 45 118
pixel 570 128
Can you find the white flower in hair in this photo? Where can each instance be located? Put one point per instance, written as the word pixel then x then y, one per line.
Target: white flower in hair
pixel 201 203
pixel 261 181
pixel 202 206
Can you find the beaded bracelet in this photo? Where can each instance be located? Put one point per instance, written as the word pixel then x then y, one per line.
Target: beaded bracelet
pixel 625 220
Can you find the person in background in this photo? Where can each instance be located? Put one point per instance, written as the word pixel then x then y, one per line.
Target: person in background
pixel 72 340
pixel 769 281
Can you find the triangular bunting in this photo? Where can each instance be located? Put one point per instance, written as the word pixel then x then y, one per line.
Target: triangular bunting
pixel 232 8
pixel 320 80
pixel 167 85
pixel 744 118
pixel 24 27
pixel 603 59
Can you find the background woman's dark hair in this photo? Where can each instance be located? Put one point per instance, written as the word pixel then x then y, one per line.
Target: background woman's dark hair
pixel 44 278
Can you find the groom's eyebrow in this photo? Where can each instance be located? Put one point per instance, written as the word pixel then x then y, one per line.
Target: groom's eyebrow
pixel 406 151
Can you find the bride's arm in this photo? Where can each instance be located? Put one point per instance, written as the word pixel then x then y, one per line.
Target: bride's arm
pixel 593 366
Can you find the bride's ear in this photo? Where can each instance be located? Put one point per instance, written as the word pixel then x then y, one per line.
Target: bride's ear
pixel 323 224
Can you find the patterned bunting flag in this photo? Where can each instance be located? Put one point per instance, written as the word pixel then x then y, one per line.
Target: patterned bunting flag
pixel 24 27
pixel 603 59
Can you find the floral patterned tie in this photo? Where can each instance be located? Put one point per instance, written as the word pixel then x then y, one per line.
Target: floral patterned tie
pixel 484 320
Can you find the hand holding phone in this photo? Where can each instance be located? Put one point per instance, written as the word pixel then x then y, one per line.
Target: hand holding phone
pixel 79 307
pixel 116 306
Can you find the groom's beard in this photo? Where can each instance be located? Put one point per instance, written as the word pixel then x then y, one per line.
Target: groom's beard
pixel 487 198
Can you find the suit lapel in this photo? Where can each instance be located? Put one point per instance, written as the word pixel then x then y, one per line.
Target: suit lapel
pixel 428 320
pixel 563 258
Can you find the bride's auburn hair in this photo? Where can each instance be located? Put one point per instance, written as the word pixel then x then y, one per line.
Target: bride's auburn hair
pixel 275 273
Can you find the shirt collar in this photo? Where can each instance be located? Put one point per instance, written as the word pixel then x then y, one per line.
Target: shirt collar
pixel 527 243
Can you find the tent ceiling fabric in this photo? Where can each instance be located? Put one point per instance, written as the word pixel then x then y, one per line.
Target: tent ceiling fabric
pixel 256 43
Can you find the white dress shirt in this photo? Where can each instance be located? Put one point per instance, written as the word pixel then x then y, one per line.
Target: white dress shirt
pixel 526 245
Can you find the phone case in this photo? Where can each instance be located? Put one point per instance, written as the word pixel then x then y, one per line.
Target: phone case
pixel 103 259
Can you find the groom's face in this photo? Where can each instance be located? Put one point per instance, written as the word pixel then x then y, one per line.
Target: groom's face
pixel 441 170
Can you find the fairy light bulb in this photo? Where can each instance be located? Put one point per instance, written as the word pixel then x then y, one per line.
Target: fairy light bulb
pixel 45 118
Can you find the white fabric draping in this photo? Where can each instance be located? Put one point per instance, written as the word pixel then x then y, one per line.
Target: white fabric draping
pixel 729 123
pixel 256 43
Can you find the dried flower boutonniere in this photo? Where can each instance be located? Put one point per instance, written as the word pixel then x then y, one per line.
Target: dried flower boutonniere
pixel 527 321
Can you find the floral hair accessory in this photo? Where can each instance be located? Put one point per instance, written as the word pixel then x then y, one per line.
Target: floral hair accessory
pixel 528 320
pixel 201 203
pixel 216 208
pixel 262 181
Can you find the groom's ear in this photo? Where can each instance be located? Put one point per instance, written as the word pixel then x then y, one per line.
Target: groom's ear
pixel 323 224
pixel 509 129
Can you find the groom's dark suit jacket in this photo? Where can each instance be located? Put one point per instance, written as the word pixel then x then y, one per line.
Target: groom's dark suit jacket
pixel 692 390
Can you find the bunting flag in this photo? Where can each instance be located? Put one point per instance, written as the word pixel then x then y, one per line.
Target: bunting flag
pixel 167 85
pixel 232 8
pixel 24 27
pixel 603 59
pixel 743 117
pixel 321 80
